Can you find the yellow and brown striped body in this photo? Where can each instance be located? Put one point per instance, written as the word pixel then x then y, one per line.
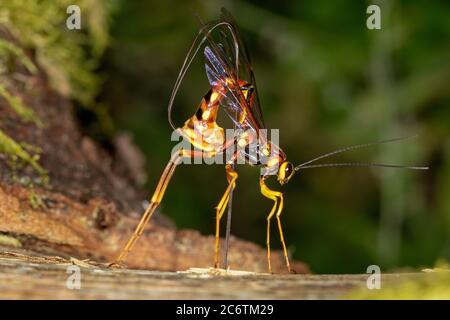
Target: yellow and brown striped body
pixel 202 130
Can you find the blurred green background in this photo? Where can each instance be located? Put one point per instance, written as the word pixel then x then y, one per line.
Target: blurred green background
pixel 325 81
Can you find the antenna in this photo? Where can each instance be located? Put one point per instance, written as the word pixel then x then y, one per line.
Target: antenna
pixel 360 164
pixel 306 165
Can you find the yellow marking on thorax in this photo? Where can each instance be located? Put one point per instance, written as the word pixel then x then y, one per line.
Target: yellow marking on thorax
pixel 272 162
pixel 242 143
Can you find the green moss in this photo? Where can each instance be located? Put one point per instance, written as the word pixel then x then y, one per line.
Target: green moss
pixel 7 48
pixel 69 57
pixel 433 285
pixel 9 241
pixel 17 105
pixel 35 200
pixel 16 152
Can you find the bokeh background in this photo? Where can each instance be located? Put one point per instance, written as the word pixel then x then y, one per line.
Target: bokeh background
pixel 325 81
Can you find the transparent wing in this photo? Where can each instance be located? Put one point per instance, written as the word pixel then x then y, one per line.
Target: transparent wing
pixel 232 100
pixel 245 69
pixel 226 59
pixel 228 65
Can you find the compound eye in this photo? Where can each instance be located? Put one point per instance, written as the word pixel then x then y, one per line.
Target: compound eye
pixel 288 170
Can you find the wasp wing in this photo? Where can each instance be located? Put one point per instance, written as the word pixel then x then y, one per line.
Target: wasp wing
pixel 244 65
pixel 229 60
pixel 228 66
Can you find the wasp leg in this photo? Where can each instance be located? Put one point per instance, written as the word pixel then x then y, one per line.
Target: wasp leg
pixel 156 199
pixel 220 209
pixel 277 208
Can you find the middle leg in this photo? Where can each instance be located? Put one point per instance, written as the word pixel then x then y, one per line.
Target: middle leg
pixel 220 209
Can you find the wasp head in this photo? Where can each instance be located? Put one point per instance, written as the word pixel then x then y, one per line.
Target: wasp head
pixel 285 172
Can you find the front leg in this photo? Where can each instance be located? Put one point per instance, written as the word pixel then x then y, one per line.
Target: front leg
pixel 277 208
